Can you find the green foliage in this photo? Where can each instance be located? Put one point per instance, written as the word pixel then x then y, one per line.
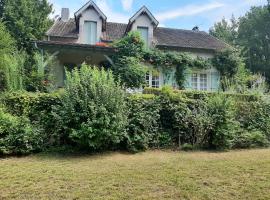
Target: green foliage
pixel 127 63
pixel 143 126
pixel 37 107
pixel 17 135
pixel 130 46
pixel 7 43
pixel 11 72
pixel 181 61
pixel 187 147
pixel 130 71
pixel 227 62
pixel 41 78
pixel 254 116
pixel 97 116
pixel 254 39
pixel 226 31
pixel 93 113
pixel 221 110
pixel 27 20
pixel 250 139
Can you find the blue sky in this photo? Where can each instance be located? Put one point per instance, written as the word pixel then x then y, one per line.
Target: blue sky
pixel 184 14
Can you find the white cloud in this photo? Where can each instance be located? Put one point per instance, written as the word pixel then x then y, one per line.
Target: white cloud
pixel 112 15
pixel 127 4
pixel 189 10
pixel 232 7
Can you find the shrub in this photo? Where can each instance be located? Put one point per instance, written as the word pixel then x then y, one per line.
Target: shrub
pixel 250 140
pixel 254 115
pixel 186 119
pixel 187 147
pixel 143 126
pixel 220 108
pixel 37 107
pixel 17 135
pixel 93 112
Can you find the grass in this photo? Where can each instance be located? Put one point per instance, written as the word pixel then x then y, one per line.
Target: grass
pixel 149 175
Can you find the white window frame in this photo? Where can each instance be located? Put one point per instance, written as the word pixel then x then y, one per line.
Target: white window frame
pixel 197 84
pixel 150 80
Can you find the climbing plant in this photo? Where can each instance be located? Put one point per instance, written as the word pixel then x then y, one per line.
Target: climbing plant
pixel 132 48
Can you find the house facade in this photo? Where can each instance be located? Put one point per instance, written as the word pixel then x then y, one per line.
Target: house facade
pixel 86 38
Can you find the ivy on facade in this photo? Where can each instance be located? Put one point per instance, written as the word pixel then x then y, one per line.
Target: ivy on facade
pixel 133 46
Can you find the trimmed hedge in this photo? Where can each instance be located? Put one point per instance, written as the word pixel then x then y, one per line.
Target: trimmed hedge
pixel 203 94
pixel 38 108
pixel 169 119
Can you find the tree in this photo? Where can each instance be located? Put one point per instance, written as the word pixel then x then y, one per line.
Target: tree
pixel 7 43
pixel 225 31
pixel 2 3
pixel 7 47
pixel 26 20
pixel 254 38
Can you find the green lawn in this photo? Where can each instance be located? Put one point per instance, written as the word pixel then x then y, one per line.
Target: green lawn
pixel 149 175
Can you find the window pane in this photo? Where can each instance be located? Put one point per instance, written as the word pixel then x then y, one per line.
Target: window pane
pixel 155 81
pixel 90 31
pixel 147 79
pixel 144 33
pixel 194 81
pixel 203 81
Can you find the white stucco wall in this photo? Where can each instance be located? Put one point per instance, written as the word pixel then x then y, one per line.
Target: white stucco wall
pixel 89 15
pixel 144 21
pixel 201 54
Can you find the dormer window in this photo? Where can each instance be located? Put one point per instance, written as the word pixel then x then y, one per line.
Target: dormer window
pixel 144 34
pixel 90 22
pixel 90 31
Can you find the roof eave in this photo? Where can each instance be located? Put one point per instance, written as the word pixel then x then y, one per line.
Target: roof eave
pixel 54 44
pixel 171 47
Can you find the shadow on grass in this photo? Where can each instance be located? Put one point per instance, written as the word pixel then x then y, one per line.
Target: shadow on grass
pixel 71 153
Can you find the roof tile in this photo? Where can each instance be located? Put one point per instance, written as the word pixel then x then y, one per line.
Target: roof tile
pixel 163 36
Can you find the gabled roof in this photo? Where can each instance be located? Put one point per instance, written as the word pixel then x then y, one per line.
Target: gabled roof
pixel 163 37
pixel 86 6
pixel 143 10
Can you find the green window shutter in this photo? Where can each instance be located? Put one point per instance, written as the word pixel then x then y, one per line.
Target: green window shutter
pixel 187 84
pixel 144 34
pixel 215 80
pixel 90 32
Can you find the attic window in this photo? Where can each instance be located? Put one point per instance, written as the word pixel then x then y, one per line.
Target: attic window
pixel 90 32
pixel 144 34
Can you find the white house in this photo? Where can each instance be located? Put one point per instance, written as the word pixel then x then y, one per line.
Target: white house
pixel 84 38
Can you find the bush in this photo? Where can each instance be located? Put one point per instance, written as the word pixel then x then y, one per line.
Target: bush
pixel 221 110
pixel 254 116
pixel 143 126
pixel 187 147
pixel 17 135
pixel 250 140
pixel 93 113
pixel 37 107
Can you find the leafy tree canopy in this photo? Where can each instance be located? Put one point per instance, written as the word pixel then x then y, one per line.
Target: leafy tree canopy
pixel 254 38
pixel 7 43
pixel 26 20
pixel 226 31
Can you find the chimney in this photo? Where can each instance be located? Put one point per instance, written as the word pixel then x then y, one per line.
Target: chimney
pixel 196 28
pixel 65 14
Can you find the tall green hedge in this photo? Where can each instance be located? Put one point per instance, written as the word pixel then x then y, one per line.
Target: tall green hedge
pixel 30 122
